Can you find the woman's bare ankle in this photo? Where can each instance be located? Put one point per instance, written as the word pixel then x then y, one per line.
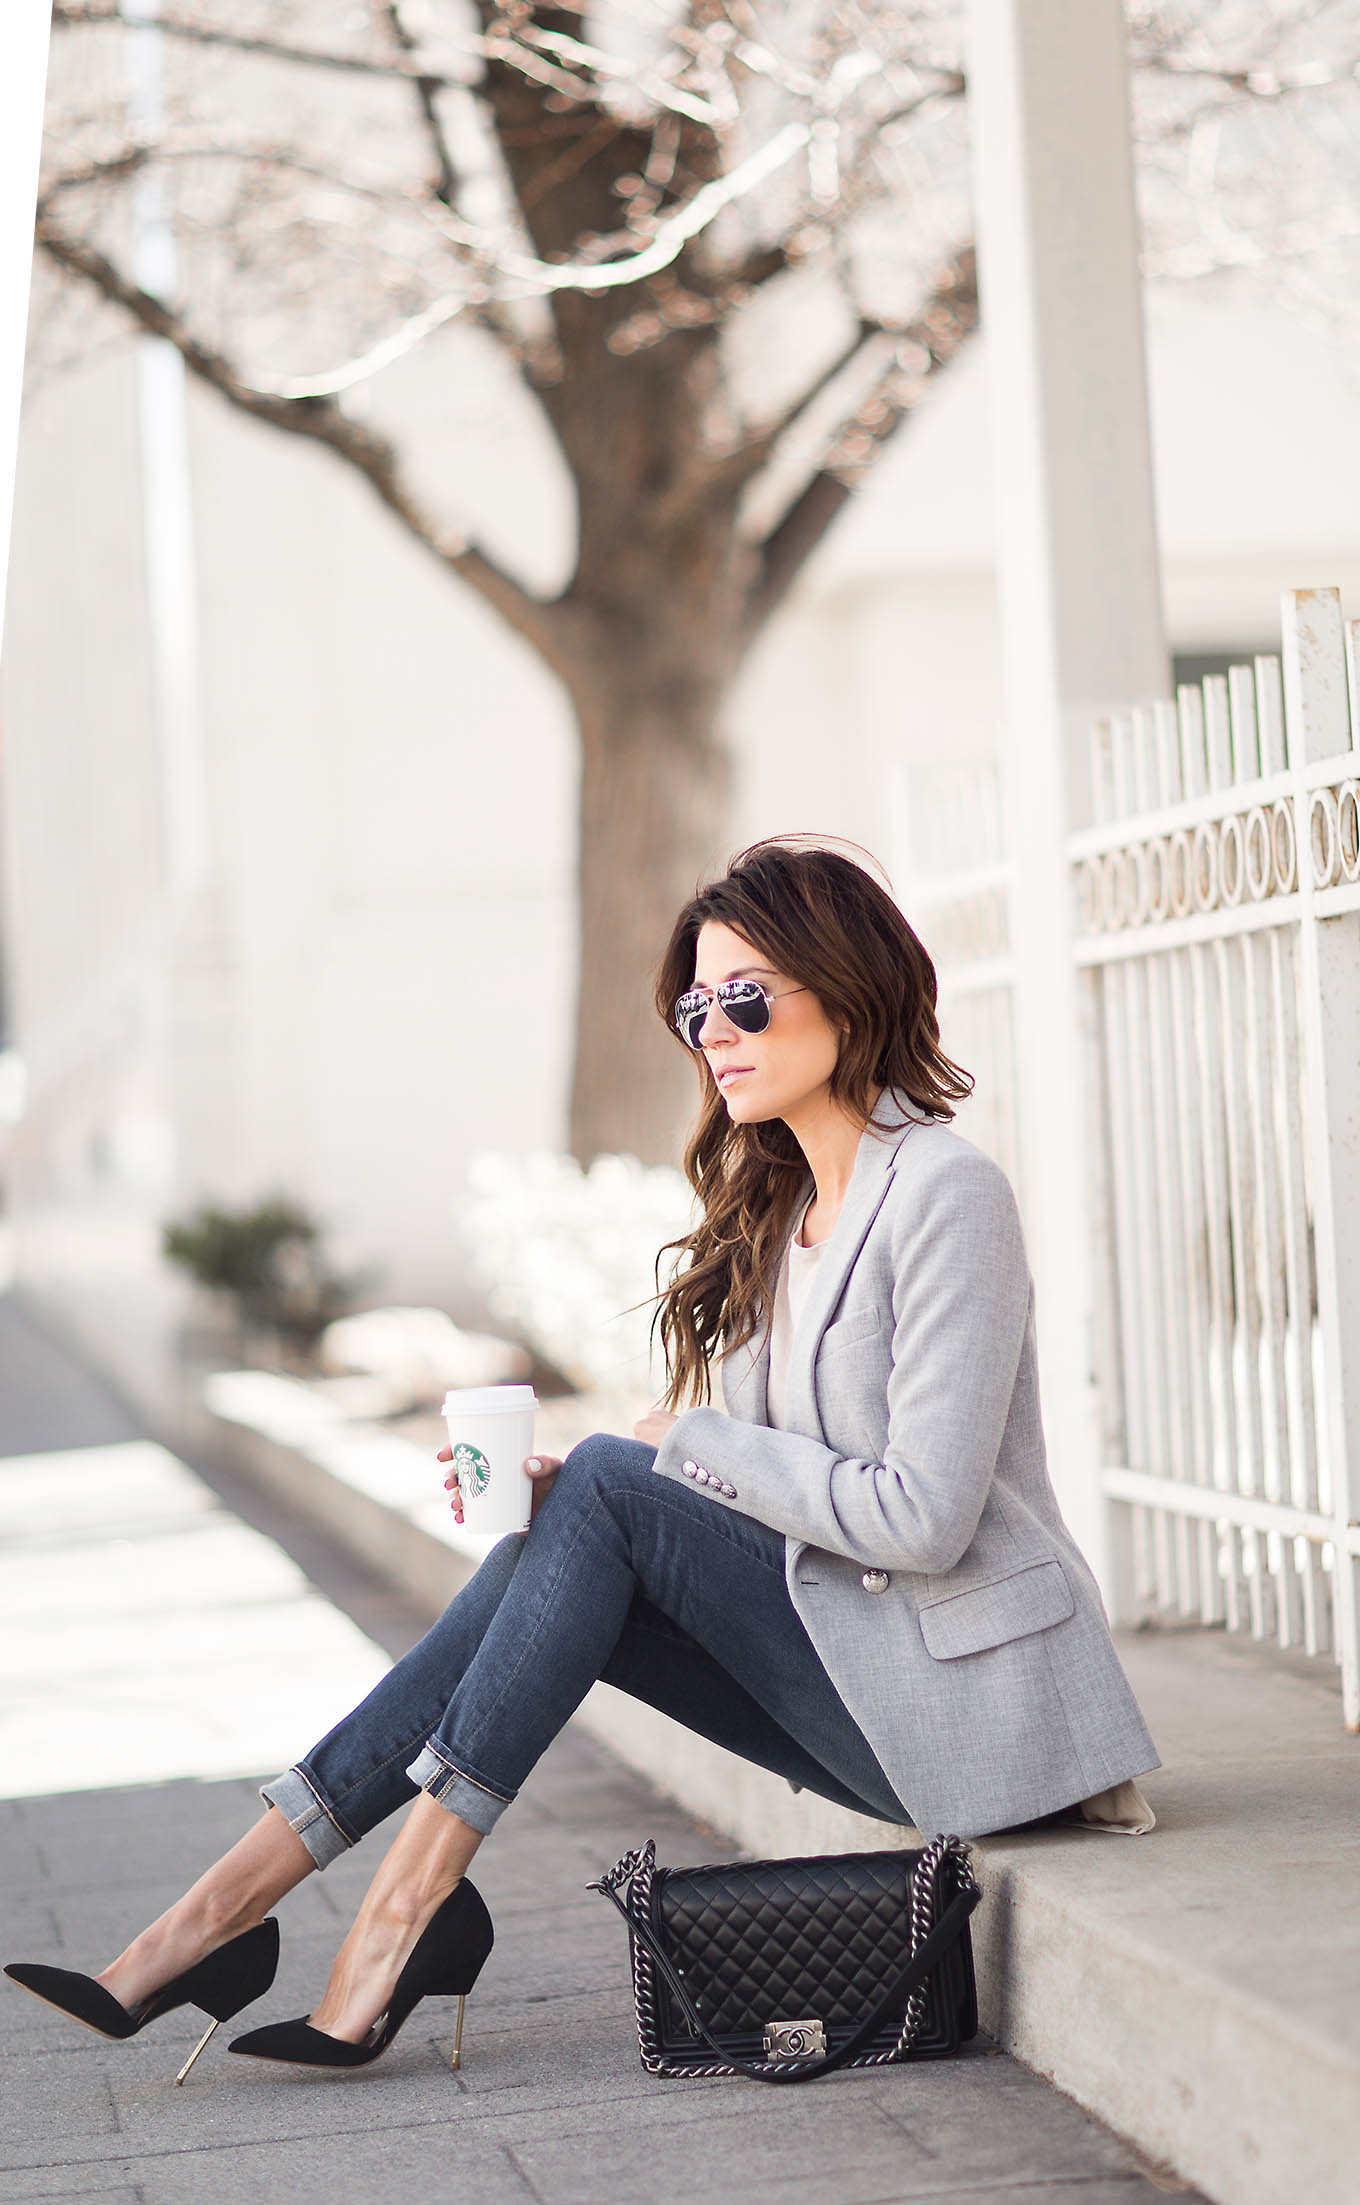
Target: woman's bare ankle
pixel 385 1933
pixel 183 1936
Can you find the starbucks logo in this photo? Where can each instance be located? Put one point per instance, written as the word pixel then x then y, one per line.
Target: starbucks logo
pixel 472 1469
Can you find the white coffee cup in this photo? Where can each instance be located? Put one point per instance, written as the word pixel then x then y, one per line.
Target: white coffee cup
pixel 491 1430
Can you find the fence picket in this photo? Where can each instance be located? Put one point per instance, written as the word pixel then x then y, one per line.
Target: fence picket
pixel 1246 747
pixel 1270 715
pixel 1218 733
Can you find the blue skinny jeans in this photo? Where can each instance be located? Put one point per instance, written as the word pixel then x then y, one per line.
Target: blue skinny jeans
pixel 623 1576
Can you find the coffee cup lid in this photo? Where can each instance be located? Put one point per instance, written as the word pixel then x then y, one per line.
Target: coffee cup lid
pixel 487 1400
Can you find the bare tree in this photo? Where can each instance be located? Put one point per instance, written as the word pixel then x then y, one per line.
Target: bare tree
pixel 624 196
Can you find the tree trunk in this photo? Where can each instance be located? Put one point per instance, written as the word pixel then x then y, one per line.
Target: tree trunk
pixel 655 784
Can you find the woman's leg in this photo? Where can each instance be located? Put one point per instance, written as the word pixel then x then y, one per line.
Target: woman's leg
pixel 615 1558
pixel 367 1774
pixel 234 1894
pixel 660 1664
pixel 611 1544
pixel 357 1775
pixel 421 1866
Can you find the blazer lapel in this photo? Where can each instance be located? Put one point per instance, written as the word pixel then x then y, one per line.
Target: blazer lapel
pixel 746 1379
pixel 874 1160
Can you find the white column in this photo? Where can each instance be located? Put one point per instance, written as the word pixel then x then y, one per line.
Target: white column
pixel 1079 594
pixel 23 81
pixel 167 491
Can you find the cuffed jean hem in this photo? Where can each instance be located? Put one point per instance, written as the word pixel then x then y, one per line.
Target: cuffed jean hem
pixel 307 1813
pixel 458 1794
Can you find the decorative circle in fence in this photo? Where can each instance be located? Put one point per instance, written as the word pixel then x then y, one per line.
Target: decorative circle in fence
pixel 1258 854
pixel 1136 885
pixel 1324 840
pixel 1088 893
pixel 1159 879
pixel 1112 891
pixel 1182 873
pixel 1205 868
pixel 1283 845
pixel 1348 828
pixel 1232 861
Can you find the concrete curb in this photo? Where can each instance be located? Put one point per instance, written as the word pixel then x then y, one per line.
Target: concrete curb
pixel 1200 2008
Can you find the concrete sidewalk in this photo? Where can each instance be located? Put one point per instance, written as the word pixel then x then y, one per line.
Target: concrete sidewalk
pixel 173 1606
pixel 551 2103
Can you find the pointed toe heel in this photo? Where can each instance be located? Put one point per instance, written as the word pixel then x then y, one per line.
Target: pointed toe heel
pixel 228 1979
pixel 77 1995
pixel 449 1955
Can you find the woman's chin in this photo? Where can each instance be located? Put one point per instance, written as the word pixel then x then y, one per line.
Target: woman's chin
pixel 744 1108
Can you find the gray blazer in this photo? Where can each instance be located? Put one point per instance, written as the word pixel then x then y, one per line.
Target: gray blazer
pixel 926 1554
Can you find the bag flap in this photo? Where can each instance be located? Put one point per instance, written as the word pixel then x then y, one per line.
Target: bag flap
pixel 759 1940
pixel 1032 1599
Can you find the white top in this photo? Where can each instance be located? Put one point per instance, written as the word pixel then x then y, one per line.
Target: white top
pixel 796 1274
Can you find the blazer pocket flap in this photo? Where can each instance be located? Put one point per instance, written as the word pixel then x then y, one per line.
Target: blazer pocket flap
pixel 846 1330
pixel 1033 1599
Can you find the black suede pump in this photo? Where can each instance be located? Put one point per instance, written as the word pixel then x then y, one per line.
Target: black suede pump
pixel 228 1979
pixel 448 1958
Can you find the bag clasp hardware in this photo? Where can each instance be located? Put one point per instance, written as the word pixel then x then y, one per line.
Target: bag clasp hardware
pixel 794 2040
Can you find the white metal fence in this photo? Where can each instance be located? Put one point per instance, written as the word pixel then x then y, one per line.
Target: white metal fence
pixel 1218 924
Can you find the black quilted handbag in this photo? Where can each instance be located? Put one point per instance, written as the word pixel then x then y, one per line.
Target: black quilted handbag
pixel 787 1969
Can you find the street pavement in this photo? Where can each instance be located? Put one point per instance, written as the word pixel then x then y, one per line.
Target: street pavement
pixel 155 1646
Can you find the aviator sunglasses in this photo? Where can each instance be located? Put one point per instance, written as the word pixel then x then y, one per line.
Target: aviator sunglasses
pixel 746 1003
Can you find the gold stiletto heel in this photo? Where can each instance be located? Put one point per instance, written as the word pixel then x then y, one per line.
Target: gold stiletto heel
pixel 209 2031
pixel 456 2059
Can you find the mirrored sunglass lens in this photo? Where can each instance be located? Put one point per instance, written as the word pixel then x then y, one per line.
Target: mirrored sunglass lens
pixel 746 1005
pixel 690 1013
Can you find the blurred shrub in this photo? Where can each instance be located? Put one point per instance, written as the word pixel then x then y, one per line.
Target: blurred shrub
pixel 568 1257
pixel 268 1261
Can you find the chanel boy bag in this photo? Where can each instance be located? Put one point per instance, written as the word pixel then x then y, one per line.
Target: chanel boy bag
pixel 784 1970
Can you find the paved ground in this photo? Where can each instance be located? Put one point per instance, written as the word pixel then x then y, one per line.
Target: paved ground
pixel 551 2105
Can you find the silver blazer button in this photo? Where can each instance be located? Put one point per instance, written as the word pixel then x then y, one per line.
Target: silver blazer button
pixel 875 1581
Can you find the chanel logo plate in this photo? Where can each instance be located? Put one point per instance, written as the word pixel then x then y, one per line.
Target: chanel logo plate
pixel 794 2040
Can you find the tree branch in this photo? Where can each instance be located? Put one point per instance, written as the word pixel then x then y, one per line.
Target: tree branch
pixel 1256 81
pixel 932 341
pixel 726 473
pixel 866 333
pixel 536 66
pixel 70 18
pixel 542 623
pixel 428 89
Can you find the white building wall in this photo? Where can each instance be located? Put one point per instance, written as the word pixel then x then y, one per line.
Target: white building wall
pixel 394 798
pixel 374 975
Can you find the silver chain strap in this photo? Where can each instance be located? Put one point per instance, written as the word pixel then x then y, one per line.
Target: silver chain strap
pixel 924 1891
pixel 638 1868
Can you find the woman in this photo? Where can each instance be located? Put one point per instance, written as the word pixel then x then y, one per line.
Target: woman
pixel 857 1577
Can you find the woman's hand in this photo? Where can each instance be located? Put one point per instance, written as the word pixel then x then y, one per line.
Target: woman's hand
pixel 653 1427
pixel 541 1468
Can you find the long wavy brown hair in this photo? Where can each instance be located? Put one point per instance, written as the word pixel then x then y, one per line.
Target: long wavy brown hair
pixel 820 920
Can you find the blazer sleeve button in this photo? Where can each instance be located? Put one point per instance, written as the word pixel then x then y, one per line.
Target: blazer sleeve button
pixel 729 1492
pixel 690 1469
pixel 875 1581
